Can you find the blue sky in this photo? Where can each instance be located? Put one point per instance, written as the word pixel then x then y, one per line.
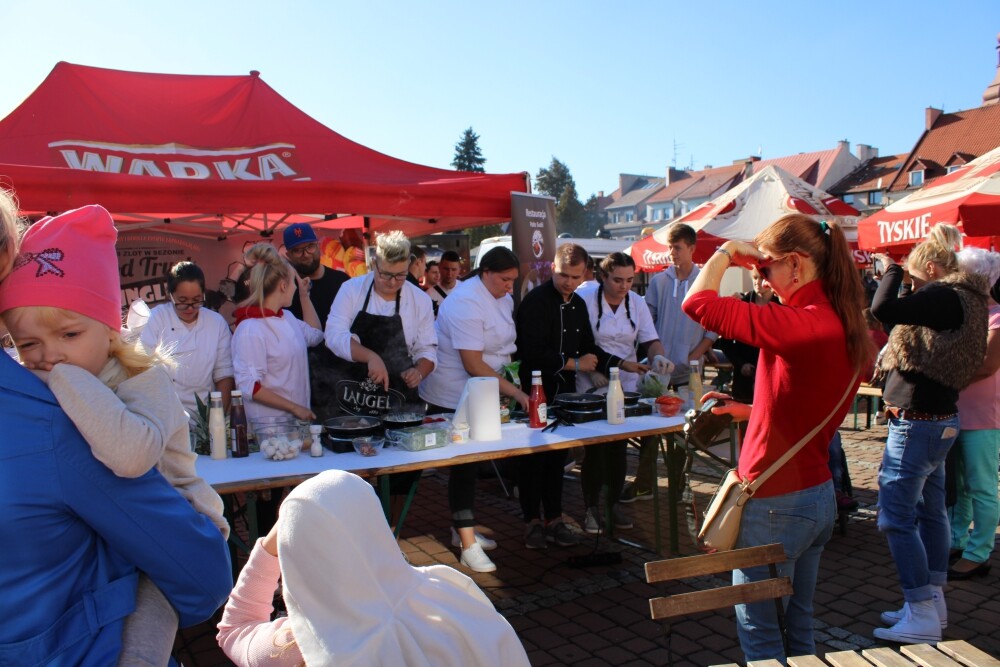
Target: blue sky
pixel 606 87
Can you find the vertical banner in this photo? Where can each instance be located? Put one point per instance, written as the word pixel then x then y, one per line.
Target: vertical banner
pixel 533 240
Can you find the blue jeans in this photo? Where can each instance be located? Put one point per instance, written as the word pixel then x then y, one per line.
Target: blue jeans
pixel 912 512
pixel 802 523
pixel 976 475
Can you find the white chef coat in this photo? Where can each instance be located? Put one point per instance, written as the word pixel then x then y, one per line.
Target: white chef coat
pixel 469 319
pixel 201 353
pixel 415 309
pixel 272 351
pixel 616 335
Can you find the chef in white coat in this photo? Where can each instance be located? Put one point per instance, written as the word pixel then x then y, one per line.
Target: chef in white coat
pixel 197 339
pixel 622 323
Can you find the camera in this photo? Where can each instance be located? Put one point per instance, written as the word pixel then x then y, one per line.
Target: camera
pixel 878 267
pixel 703 426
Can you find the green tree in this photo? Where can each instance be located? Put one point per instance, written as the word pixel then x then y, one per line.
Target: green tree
pixel 468 156
pixel 554 180
pixel 570 216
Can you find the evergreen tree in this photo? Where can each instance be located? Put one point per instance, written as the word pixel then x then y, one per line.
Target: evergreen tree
pixel 468 156
pixel 554 180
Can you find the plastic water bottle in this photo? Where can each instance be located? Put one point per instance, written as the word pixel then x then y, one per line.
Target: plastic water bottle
pixel 218 442
pixel 615 399
pixel 694 384
pixel 538 412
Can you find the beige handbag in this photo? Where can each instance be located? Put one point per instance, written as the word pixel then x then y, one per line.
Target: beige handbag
pixel 721 524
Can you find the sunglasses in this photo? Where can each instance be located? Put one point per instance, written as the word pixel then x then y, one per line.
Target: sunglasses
pixel 764 266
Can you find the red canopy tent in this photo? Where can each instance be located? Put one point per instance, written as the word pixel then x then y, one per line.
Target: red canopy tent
pixel 968 197
pixel 204 155
pixel 746 210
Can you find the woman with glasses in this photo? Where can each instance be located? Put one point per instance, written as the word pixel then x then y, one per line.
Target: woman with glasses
pixel 198 338
pixel 812 350
pixel 381 327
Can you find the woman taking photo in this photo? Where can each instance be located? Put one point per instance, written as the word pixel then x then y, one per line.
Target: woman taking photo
pixel 198 339
pixel 621 323
pixel 809 267
pixel 475 329
pixel 937 343
pixel 269 345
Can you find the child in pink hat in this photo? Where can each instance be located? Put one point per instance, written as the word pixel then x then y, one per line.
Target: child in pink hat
pixel 62 306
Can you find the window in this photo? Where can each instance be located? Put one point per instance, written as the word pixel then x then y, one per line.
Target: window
pixel 849 199
pixel 916 178
pixel 629 216
pixel 659 214
pixel 875 198
pixel 955 167
pixel 668 212
pixel 615 218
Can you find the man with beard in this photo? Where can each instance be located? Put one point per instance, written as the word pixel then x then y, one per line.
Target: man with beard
pixel 302 250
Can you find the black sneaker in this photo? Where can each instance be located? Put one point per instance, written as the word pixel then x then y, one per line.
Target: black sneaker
pixel 560 534
pixel 631 493
pixel 535 537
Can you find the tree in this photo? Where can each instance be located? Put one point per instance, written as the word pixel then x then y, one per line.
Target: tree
pixel 554 180
pixel 468 156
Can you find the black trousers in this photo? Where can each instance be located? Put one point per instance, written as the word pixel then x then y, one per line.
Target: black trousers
pixel 603 464
pixel 461 485
pixel 540 484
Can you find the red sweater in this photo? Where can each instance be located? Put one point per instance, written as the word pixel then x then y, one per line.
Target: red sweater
pixel 802 372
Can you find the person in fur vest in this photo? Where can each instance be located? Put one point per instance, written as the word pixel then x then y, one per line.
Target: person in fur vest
pixel 936 345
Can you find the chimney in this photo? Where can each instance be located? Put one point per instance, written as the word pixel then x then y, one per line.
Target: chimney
pixel 600 194
pixel 992 93
pixel 748 166
pixel 845 145
pixel 930 117
pixel 866 152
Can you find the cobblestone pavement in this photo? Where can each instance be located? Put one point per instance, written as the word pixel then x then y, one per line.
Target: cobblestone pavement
pixel 600 615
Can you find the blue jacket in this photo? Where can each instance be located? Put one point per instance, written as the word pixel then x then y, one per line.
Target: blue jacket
pixel 74 536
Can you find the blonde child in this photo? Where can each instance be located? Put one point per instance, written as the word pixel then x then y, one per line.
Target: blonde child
pixel 62 306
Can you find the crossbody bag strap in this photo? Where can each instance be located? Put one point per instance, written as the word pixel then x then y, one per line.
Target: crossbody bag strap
pixel 754 485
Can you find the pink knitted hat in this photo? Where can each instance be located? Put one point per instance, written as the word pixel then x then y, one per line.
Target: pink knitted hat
pixel 68 262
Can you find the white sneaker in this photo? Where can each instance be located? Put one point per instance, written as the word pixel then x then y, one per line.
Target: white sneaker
pixel 592 521
pixel 476 559
pixel 920 623
pixel 486 543
pixel 893 617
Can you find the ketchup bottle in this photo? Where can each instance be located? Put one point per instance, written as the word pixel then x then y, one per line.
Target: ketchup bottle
pixel 537 408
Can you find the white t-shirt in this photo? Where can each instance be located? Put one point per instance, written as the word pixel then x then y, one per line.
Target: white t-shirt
pixel 272 351
pixel 469 319
pixel 415 310
pixel 201 351
pixel 616 335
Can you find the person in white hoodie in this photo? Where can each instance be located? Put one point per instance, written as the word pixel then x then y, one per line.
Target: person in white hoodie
pixel 352 599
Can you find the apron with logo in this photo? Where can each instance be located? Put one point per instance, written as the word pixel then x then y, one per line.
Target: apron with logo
pixel 355 393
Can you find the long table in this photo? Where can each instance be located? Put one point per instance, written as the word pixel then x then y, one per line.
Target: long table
pixel 255 473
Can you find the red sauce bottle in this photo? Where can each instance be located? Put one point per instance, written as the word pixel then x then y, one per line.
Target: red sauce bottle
pixel 537 408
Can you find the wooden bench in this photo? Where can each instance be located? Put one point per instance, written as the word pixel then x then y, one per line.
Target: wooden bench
pixel 957 653
pixel 873 400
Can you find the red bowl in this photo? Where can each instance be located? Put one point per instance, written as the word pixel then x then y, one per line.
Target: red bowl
pixel 669 406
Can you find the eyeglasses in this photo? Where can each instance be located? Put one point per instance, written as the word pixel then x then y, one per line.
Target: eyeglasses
pixel 183 304
pixel 306 248
pixel 398 277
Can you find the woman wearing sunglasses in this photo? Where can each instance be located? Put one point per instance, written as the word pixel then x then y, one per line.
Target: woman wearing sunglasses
pixel 199 339
pixel 811 351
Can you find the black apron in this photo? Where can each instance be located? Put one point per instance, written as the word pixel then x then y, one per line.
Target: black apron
pixel 354 392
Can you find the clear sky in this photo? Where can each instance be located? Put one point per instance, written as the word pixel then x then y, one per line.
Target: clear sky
pixel 606 87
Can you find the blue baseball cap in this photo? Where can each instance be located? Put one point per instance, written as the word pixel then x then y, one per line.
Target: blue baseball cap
pixel 299 233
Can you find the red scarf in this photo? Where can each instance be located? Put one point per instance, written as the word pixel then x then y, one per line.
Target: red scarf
pixel 253 313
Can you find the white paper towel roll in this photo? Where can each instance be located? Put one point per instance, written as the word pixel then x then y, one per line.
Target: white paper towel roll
pixel 479 407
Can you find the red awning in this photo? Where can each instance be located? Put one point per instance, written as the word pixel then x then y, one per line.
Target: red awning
pixel 194 150
pixel 968 198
